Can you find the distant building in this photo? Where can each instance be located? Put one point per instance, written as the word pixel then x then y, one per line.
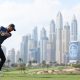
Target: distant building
pixel 17 57
pixel 24 49
pixel 49 53
pixel 35 37
pixel 31 50
pixel 43 45
pixel 35 44
pixel 11 56
pixel 65 40
pixel 59 44
pixel 38 55
pixel 74 52
pixel 73 29
pixel 52 43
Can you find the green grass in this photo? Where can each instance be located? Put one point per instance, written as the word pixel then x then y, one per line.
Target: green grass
pixel 18 75
pixel 14 74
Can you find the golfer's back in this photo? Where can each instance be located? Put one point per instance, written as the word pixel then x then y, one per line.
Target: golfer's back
pixel 2 38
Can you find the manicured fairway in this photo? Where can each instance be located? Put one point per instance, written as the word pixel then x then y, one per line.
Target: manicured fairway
pixel 24 76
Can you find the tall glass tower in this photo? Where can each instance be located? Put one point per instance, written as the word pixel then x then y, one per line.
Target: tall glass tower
pixel 43 45
pixel 59 28
pixel 73 29
pixel 52 40
pixel 24 49
pixel 65 41
pixel 35 44
pixel 35 36
pixel 11 56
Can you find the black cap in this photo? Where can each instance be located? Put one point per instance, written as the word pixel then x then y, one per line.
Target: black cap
pixel 13 26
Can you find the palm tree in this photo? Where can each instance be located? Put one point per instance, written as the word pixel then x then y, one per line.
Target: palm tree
pixel 22 65
pixel 20 60
pixel 8 62
pixel 43 63
pixel 30 63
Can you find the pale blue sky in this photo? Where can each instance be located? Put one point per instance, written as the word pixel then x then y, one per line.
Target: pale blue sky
pixel 17 1
pixel 69 3
pixel 26 14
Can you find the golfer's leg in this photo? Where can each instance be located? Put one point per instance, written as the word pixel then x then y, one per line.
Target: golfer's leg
pixel 2 57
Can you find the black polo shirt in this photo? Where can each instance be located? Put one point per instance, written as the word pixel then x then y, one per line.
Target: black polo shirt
pixel 2 38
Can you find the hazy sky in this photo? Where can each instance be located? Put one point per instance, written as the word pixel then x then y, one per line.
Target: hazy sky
pixel 26 14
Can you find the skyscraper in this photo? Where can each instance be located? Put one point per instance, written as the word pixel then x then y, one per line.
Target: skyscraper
pixel 17 57
pixel 73 29
pixel 52 41
pixel 35 43
pixel 31 49
pixel 43 45
pixel 24 49
pixel 35 36
pixel 59 28
pixel 11 56
pixel 49 53
pixel 65 41
pixel 74 52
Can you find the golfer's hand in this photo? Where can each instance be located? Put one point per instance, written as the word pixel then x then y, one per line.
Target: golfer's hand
pixel 5 34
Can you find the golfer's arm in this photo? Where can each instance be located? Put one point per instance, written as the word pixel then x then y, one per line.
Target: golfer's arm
pixel 5 34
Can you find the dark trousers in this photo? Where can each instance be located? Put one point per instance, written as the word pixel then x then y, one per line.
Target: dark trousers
pixel 2 58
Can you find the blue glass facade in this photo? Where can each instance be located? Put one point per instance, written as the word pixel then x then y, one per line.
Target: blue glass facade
pixel 74 49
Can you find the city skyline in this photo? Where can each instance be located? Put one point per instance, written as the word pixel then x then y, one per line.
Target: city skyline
pixel 53 47
pixel 27 14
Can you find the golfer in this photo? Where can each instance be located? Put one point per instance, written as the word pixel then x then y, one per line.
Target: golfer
pixel 4 34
